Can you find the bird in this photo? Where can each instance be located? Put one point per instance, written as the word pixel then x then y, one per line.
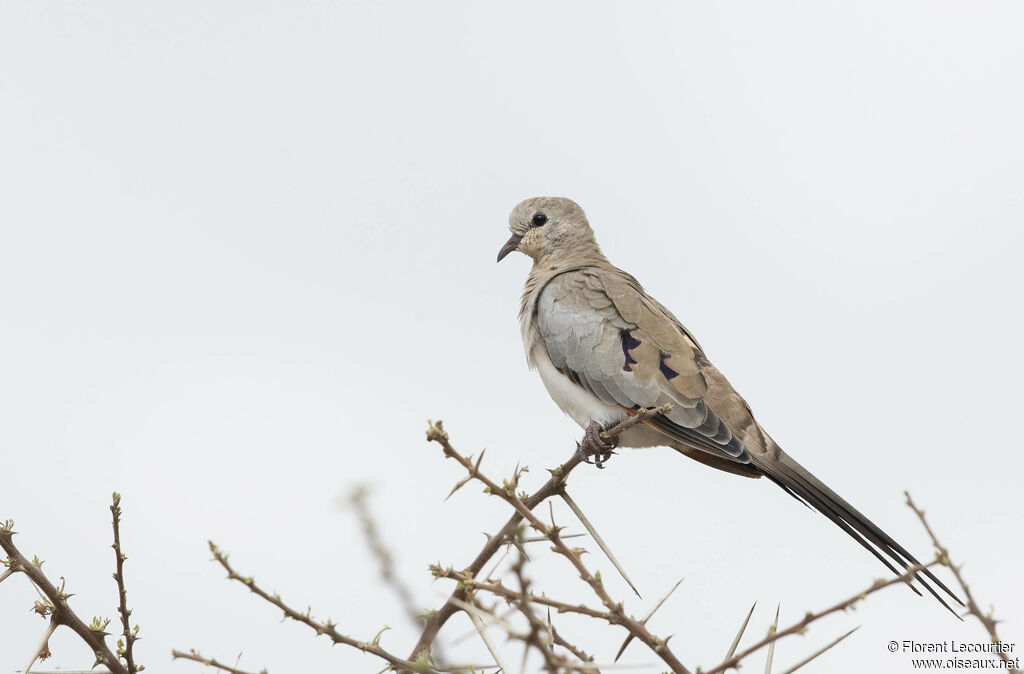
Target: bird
pixel 606 350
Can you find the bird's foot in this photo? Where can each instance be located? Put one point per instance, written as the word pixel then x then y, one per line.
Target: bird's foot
pixel 594 445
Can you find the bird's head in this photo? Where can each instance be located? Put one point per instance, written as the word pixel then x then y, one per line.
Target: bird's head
pixel 549 229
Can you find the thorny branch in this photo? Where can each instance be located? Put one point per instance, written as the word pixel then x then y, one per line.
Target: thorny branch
pixel 437 619
pixel 801 625
pixel 472 586
pixel 56 605
pixel 498 589
pixel 196 656
pixel 987 620
pixel 357 498
pixel 555 485
pixel 327 627
pixel 124 647
pixel 524 508
pixel 540 629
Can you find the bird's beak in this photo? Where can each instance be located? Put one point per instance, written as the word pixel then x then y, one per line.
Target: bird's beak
pixel 510 246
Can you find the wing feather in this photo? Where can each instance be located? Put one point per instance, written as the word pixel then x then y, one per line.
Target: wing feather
pixel 600 330
pixel 606 335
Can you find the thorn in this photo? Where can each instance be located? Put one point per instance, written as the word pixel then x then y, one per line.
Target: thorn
pixel 819 652
pixel 622 648
pixel 771 646
pixel 597 538
pixel 660 602
pixel 739 635
pixel 459 485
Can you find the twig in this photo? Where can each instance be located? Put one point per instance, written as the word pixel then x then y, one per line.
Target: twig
pixel 70 671
pixel 525 606
pixel 498 589
pixel 588 659
pixel 474 615
pixel 799 626
pixel 988 621
pixel 326 628
pixel 498 619
pixel 437 619
pixel 42 651
pixel 475 611
pixel 358 499
pixel 553 663
pixel 559 476
pixel 633 419
pixel 196 656
pixel 130 635
pixel 523 507
pixel 58 607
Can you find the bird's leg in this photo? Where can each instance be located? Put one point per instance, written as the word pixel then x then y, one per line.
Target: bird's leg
pixel 596 446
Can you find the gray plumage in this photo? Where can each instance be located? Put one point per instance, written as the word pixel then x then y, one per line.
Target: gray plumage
pixel 604 348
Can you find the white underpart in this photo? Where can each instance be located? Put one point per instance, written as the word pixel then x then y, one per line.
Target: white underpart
pixel 580 404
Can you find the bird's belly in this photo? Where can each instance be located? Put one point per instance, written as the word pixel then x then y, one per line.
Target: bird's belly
pixel 581 405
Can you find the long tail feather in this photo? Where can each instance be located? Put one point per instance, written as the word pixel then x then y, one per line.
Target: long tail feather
pixel 800 483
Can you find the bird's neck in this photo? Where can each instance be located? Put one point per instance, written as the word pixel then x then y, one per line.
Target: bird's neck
pixel 547 267
pixel 558 262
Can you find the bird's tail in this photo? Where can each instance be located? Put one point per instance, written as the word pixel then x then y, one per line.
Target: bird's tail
pixel 801 484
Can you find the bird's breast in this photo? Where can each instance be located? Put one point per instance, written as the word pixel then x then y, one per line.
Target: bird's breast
pixel 577 402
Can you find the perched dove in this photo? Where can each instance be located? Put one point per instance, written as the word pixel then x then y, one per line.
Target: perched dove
pixel 604 348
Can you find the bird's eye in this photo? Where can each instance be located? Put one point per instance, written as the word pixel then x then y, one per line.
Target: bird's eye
pixel 539 219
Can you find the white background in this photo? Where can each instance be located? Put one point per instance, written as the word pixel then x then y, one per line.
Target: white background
pixel 248 249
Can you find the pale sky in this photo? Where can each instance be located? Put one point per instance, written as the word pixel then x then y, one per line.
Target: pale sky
pixel 248 249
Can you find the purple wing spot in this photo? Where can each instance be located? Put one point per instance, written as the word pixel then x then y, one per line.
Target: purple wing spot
pixel 629 342
pixel 665 369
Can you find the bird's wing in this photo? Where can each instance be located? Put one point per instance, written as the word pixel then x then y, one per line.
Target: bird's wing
pixel 602 332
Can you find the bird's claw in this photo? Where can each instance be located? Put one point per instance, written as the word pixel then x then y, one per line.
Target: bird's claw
pixel 594 445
